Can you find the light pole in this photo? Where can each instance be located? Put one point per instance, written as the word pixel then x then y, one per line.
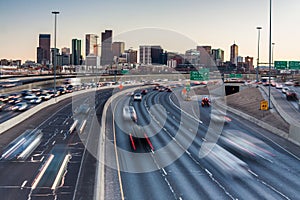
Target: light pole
pixel 55 58
pixel 257 66
pixel 273 44
pixel 270 53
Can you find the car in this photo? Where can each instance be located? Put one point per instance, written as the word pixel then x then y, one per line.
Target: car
pixel 45 96
pixel 2 105
pixel 168 89
pixel 219 116
pixel 20 106
pixel 296 83
pixel 205 101
pixel 285 89
pixel 13 101
pixel 129 113
pixel 278 86
pixel 288 83
pixel 30 96
pixel 144 92
pixel 137 97
pixel 291 95
pixel 4 98
pixel 36 100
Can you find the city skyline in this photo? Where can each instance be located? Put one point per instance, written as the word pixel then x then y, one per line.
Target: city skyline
pixel 218 24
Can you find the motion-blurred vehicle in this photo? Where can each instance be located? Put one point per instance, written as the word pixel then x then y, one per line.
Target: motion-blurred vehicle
pixel 219 117
pixel 284 90
pixel 291 95
pixel 36 100
pixel 2 105
pixel 30 96
pixel 4 98
pixel 144 92
pixel 20 106
pixel 278 86
pixel 288 83
pixel 13 101
pixel 168 89
pixel 296 84
pixel 129 113
pixel 137 97
pixel 45 96
pixel 205 102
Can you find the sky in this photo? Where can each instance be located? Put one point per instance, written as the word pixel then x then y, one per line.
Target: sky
pixel 182 25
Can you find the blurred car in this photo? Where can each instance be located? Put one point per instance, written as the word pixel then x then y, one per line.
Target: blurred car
pixel 137 97
pixel 30 96
pixel 205 102
pixel 129 113
pixel 288 83
pixel 20 106
pixel 168 89
pixel 278 86
pixel 4 98
pixel 45 96
pixel 296 84
pixel 14 100
pixel 144 92
pixel 285 89
pixel 2 105
pixel 291 95
pixel 36 100
pixel 219 116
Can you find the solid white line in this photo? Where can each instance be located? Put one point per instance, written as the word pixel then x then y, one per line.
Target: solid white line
pixel 41 173
pixel 24 183
pixel 60 172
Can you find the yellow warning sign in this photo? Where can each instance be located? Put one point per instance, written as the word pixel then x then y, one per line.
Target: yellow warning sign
pixel 264 105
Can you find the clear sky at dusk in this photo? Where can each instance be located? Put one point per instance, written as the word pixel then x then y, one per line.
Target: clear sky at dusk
pixel 216 23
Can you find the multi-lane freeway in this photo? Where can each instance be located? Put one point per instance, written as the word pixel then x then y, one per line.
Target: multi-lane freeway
pixel 175 149
pixel 248 162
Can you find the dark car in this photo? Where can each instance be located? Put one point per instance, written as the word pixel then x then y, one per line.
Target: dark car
pixel 291 95
pixel 143 92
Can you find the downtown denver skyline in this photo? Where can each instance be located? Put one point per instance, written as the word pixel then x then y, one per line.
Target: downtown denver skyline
pixel 218 24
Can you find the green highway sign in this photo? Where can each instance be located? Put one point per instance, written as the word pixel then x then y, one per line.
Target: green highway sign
pixel 201 75
pixel 124 71
pixel 235 76
pixel 280 64
pixel 294 64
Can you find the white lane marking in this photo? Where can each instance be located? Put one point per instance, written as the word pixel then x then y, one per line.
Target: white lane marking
pixel 23 185
pixel 164 171
pixel 41 173
pixel 60 172
pixel 197 120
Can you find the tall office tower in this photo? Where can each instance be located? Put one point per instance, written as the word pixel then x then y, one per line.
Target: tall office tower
pixel 91 44
pixel 218 56
pixel 145 54
pixel 43 50
pixel 234 50
pixel 205 55
pixel 156 54
pixel 76 52
pixel 131 56
pixel 106 48
pixel 118 49
pixel 65 53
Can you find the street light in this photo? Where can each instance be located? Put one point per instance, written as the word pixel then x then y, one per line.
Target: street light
pixel 257 66
pixel 55 58
pixel 270 53
pixel 273 44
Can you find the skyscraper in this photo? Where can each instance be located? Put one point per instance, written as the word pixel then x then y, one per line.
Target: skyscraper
pixel 43 50
pixel 234 53
pixel 145 54
pixel 118 48
pixel 106 47
pixel 91 44
pixel 76 52
pixel 218 56
pixel 156 54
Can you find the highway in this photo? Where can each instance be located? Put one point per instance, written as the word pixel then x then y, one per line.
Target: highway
pixel 266 168
pixel 56 165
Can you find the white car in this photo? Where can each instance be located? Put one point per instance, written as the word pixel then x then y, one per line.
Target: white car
pixel 20 106
pixel 36 100
pixel 278 86
pixel 137 97
pixel 129 113
pixel 30 96
pixel 285 89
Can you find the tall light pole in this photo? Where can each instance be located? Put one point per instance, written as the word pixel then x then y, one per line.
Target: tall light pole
pixel 55 58
pixel 273 44
pixel 270 53
pixel 257 66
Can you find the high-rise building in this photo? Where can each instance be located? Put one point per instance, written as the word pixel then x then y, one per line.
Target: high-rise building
pixel 131 56
pixel 76 52
pixel 234 50
pixel 192 56
pixel 205 54
pixel 249 63
pixel 156 54
pixel 65 53
pixel 118 49
pixel 106 47
pixel 43 50
pixel 145 54
pixel 91 46
pixel 218 56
